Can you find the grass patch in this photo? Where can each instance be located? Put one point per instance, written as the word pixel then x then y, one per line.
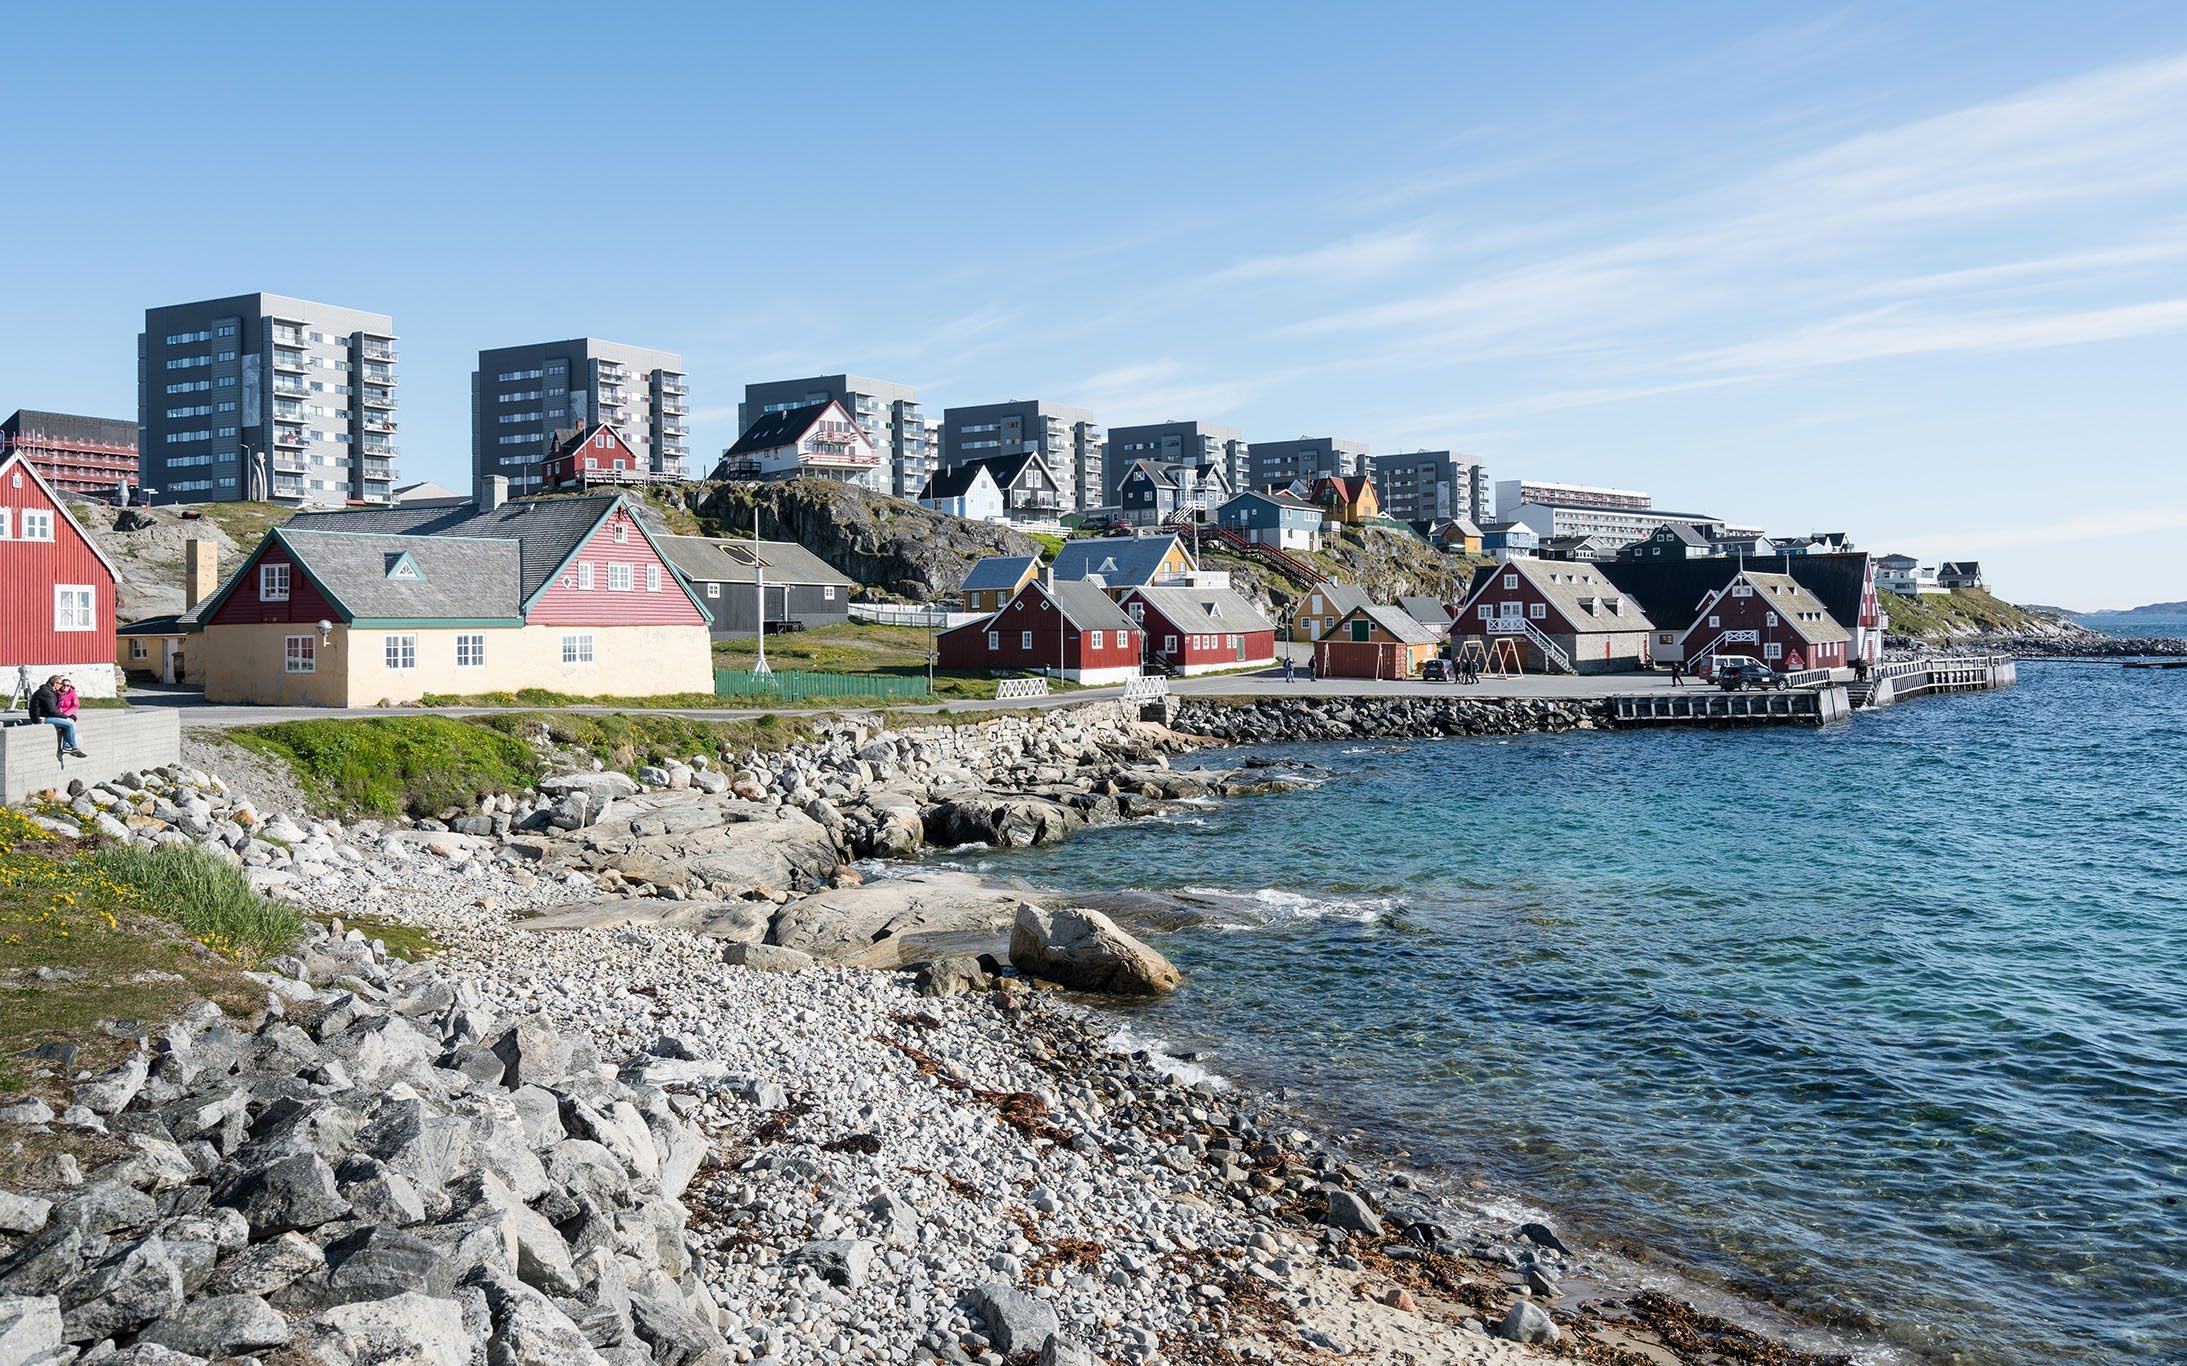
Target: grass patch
pixel 1937 615
pixel 138 937
pixel 247 523
pixel 392 766
pixel 541 697
pixel 626 740
pixel 1050 546
pixel 406 942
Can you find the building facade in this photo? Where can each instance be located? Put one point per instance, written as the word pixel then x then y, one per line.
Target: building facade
pixel 1200 630
pixel 264 397
pixel 819 440
pixel 94 456
pixel 1431 486
pixel 889 414
pixel 522 396
pixel 968 491
pixel 1068 441
pixel 1770 617
pixel 1374 641
pixel 1544 608
pixel 1196 444
pixel 56 589
pixel 1276 519
pixel 729 575
pixel 1070 630
pixel 1277 463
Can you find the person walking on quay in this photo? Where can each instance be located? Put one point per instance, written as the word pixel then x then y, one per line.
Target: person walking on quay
pixel 1287 666
pixel 45 709
pixel 1678 672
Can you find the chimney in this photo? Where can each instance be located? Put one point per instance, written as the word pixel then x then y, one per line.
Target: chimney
pixel 493 491
pixel 200 571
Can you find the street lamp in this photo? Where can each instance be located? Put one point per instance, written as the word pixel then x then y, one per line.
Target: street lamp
pixel 759 579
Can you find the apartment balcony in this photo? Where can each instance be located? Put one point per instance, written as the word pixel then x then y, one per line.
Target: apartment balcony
pixel 376 350
pixel 381 470
pixel 376 398
pixel 290 386
pixel 609 371
pixel 290 436
pixel 672 446
pixel 674 385
pixel 671 427
pixel 379 374
pixel 374 422
pixel 292 361
pixel 612 396
pixel 671 406
pixel 288 462
pixel 288 488
pixel 287 336
pixel 380 448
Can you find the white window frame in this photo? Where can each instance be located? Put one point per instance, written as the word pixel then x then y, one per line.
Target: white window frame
pixel 274 581
pixel 1169 645
pixel 1716 621
pixel 473 643
pixel 1511 581
pixel 1769 619
pixel 75 607
pixel 1025 640
pixel 1773 650
pixel 37 525
pixel 4 514
pixel 584 576
pixel 1537 612
pixel 713 590
pixel 299 654
pixel 399 652
pixel 622 533
pixel 577 647
pixel 1097 640
pixel 136 648
pixel 652 578
pixel 827 593
pixel 620 578
pixel 994 640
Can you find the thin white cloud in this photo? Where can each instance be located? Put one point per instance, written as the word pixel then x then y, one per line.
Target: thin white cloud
pixel 1888 334
pixel 1358 258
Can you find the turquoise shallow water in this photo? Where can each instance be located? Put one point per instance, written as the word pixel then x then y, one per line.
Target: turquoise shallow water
pixel 1885 1023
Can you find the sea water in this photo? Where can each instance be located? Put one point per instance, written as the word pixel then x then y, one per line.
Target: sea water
pixel 1885 1023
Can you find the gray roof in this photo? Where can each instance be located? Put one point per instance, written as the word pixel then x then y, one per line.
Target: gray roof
pixel 1427 610
pixel 547 530
pixel 1395 620
pixel 997 571
pixel 1790 598
pixel 1121 561
pixel 1088 608
pixel 1339 597
pixel 458 576
pixel 1571 585
pixel 1205 609
pixel 725 559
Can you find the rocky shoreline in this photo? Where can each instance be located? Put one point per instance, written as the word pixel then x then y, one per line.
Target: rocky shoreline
pixel 2084 645
pixel 803 1162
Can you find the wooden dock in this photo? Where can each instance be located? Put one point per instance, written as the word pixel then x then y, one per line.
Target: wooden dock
pixel 1706 706
pixel 1889 683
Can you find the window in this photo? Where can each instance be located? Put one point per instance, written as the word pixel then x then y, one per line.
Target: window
pixel 652 578
pixel 577 649
pixel 713 590
pixel 622 533
pixel 619 577
pixel 1487 611
pixel 584 575
pixel 136 648
pixel 1511 581
pixel 1716 621
pixel 299 654
pixel 994 641
pixel 273 583
pixel 1773 651
pixel 75 607
pixel 471 651
pixel 402 652
pixel 1025 640
pixel 3 524
pixel 1097 640
pixel 1169 645
pixel 37 524
pixel 1537 611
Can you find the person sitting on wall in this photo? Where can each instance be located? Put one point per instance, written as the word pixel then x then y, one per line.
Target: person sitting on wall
pixel 45 708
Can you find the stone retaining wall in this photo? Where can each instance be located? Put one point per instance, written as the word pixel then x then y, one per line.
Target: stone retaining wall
pixel 117 741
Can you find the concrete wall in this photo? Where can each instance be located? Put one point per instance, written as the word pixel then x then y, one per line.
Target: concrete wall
pixel 93 679
pixel 245 664
pixel 117 741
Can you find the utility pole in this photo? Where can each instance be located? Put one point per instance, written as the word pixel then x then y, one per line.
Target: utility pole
pixel 759 578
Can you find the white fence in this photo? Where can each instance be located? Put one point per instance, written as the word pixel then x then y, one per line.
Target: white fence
pixel 1145 688
pixel 1018 689
pixel 892 614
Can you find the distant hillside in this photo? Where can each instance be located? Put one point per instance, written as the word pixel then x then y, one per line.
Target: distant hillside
pixel 890 544
pixel 2037 609
pixel 1962 612
pixel 2154 609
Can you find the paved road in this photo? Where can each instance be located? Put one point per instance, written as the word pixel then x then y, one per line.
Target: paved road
pixel 197 714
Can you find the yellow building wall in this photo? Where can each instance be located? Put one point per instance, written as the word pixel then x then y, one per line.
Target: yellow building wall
pixel 244 664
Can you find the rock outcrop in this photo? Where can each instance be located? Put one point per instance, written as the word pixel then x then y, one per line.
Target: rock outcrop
pixel 1086 950
pixel 891 544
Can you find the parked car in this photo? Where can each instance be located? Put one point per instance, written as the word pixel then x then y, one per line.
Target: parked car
pixel 1749 673
pixel 1439 671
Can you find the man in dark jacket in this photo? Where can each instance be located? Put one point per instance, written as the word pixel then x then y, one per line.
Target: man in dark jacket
pixel 45 708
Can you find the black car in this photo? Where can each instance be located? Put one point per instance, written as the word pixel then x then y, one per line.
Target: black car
pixel 1439 671
pixel 1747 673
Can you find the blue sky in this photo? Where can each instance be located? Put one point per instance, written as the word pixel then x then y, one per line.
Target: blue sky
pixel 1916 272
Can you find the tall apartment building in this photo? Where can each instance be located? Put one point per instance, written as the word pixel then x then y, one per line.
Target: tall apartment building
pixel 1067 439
pixel 1428 486
pixel 259 396
pixel 1308 458
pixel 1510 493
pixel 1197 444
pixel 90 455
pixel 889 413
pixel 522 395
pixel 1619 516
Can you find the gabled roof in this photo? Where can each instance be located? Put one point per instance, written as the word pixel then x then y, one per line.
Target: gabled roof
pixel 1337 597
pixel 1204 609
pixel 1426 610
pixel 548 531
pixel 1351 488
pixel 1158 475
pixel 1121 561
pixel 1791 601
pixel 954 482
pixel 1085 606
pixel 1682 531
pixel 1390 618
pixel 567 441
pixel 1960 567
pixel 1571 586
pixel 448 579
pixel 724 559
pixel 1006 470
pixel 1672 591
pixel 1278 498
pixel 998 571
pixel 15 457
pixel 1462 526
pixel 783 427
pixel 426 491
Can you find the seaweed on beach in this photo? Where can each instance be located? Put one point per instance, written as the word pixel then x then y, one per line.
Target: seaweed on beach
pixel 1702 1337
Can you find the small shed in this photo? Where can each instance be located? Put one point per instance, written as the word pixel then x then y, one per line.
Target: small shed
pixel 1374 641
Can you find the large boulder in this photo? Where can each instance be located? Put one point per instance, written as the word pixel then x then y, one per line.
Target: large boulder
pixel 1085 949
pixel 892 922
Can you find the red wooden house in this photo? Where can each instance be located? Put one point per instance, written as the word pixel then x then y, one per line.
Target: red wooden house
pixel 56 589
pixel 1200 630
pixel 1071 628
pixel 1553 608
pixel 1770 617
pixel 597 456
pixel 1374 641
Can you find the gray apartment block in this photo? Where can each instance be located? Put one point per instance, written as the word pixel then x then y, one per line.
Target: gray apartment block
pixel 1197 444
pixel 1067 439
pixel 889 413
pixel 1308 458
pixel 265 397
pixel 522 395
pixel 1426 486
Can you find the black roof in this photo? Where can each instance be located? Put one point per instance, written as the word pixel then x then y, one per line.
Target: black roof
pixel 1670 591
pixel 780 428
pixel 951 483
pixel 1005 470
